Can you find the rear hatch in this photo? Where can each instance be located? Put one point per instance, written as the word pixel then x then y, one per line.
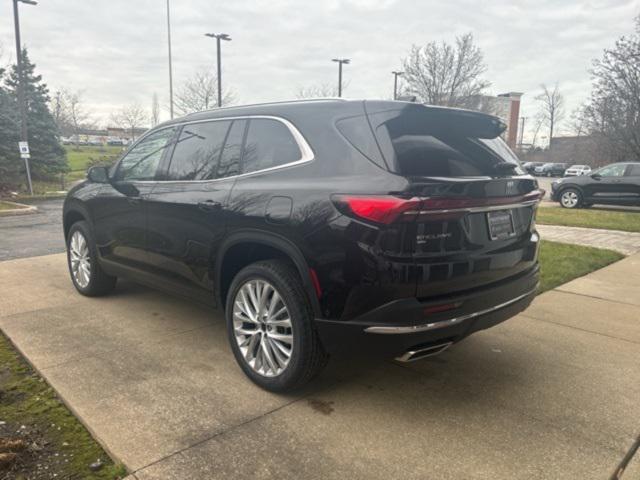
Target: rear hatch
pixel 476 209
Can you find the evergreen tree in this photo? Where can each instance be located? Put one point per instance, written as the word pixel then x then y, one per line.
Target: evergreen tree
pixel 47 155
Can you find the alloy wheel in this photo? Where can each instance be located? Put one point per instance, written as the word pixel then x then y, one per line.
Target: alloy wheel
pixel 262 327
pixel 569 199
pixel 80 259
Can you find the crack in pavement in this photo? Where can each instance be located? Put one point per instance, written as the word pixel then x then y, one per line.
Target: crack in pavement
pixel 624 463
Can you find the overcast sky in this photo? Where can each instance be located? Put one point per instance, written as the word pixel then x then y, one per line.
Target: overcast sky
pixel 115 51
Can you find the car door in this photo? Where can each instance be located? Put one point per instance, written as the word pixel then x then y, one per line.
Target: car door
pixel 632 183
pixel 187 209
pixel 607 184
pixel 119 210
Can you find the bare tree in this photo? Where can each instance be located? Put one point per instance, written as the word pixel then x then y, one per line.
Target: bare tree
pixel 199 93
pixel 60 113
pixel 551 108
pixel 155 110
pixel 76 112
pixel 131 117
pixel 320 90
pixel 445 74
pixel 613 111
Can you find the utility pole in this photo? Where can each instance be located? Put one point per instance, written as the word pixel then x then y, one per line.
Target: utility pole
pixel 219 37
pixel 21 94
pixel 170 66
pixel 340 62
pixel 395 83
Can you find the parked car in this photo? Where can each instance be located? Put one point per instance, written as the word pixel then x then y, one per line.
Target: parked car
pixel 577 170
pixel 317 226
pixel 615 184
pixel 531 166
pixel 551 170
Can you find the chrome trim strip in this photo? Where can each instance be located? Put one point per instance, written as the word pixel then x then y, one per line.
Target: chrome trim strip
pixel 443 323
pixel 305 149
pixel 487 208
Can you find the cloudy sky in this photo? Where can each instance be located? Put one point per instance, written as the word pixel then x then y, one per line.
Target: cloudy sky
pixel 115 51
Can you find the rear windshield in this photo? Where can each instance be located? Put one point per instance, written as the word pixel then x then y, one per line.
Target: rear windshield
pixel 419 141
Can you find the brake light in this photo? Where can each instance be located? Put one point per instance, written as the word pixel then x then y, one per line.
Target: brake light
pixel 384 209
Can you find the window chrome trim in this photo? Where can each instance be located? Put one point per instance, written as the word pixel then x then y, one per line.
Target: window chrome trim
pixel 303 145
pixel 444 323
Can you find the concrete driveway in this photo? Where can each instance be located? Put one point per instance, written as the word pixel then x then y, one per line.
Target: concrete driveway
pixel 552 393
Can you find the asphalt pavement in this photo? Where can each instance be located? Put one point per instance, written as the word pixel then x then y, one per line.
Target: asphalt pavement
pixel 35 234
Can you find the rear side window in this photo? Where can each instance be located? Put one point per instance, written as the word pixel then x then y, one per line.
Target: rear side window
pixel 198 151
pixel 269 144
pixel 420 141
pixel 232 153
pixel 634 171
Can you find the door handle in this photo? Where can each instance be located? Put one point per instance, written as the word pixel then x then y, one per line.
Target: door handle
pixel 134 200
pixel 209 206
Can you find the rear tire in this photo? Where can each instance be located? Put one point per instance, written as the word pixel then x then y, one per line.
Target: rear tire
pixel 570 198
pixel 82 259
pixel 277 351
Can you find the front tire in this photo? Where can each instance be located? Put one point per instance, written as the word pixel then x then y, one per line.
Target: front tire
pixel 570 198
pixel 270 327
pixel 82 259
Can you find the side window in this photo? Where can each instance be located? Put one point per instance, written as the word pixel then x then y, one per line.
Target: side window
pixel 198 151
pixel 269 144
pixel 616 170
pixel 232 152
pixel 634 170
pixel 141 163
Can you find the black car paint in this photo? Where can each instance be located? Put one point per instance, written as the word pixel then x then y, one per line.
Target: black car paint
pixel 163 233
pixel 608 190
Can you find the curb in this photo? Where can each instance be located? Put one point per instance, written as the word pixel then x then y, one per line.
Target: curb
pixel 19 209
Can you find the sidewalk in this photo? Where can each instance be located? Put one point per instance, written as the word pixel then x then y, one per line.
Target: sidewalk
pixel 552 393
pixel 627 243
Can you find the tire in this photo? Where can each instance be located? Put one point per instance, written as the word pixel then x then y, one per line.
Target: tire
pixel 84 255
pixel 570 198
pixel 259 352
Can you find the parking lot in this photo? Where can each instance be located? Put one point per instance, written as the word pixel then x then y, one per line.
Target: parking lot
pixel 551 393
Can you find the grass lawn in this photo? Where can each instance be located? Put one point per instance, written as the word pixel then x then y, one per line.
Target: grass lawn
pixel 561 262
pixel 46 439
pixel 6 206
pixel 610 220
pixel 78 158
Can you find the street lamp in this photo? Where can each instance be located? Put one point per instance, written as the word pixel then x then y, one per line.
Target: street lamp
pixel 170 67
pixel 340 62
pixel 21 96
pixel 395 83
pixel 219 37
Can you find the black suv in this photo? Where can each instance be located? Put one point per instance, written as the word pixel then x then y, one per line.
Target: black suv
pixel 317 226
pixel 615 184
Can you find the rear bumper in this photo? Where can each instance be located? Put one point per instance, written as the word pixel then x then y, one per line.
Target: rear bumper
pixel 402 325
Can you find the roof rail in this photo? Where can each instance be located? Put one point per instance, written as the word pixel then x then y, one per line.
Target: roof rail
pixel 302 100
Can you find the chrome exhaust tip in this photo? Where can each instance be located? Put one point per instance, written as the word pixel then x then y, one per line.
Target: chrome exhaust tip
pixel 413 355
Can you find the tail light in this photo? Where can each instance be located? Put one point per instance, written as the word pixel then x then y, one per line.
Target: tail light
pixel 384 209
pixel 387 209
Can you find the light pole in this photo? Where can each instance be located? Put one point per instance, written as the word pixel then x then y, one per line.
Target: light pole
pixel 170 66
pixel 395 83
pixel 340 62
pixel 219 37
pixel 21 95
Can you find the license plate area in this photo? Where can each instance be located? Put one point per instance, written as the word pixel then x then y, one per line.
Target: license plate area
pixel 500 224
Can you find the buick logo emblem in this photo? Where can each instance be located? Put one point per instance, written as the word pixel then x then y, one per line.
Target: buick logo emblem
pixel 511 187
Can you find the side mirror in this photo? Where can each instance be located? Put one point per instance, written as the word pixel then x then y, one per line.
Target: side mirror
pixel 596 176
pixel 98 174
